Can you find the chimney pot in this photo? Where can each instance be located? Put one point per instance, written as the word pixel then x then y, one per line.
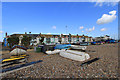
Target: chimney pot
pixel 6 33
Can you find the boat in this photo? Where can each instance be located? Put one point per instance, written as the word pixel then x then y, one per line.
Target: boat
pixel 17 50
pixel 53 52
pixel 78 47
pixel 93 43
pixel 11 60
pixel 75 55
pixel 19 66
pixel 62 46
pixel 84 43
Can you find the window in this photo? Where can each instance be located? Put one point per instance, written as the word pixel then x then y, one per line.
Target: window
pixel 48 40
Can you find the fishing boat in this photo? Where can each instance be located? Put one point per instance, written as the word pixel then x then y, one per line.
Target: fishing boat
pixel 17 50
pixel 53 52
pixel 62 46
pixel 78 47
pixel 74 55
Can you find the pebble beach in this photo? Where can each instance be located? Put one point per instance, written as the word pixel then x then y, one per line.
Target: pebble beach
pixel 55 66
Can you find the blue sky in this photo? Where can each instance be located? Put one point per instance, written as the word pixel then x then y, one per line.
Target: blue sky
pixel 53 17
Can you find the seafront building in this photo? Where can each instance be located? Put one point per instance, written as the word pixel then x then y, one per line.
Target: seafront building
pixel 54 38
pixel 102 38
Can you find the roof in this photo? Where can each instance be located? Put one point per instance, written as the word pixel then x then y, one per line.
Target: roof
pixel 48 35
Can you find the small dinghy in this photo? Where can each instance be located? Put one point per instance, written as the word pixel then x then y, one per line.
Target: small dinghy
pixel 74 55
pixel 53 52
pixel 17 50
pixel 78 47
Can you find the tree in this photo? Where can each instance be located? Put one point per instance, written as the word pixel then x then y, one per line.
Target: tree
pixel 102 40
pixel 69 38
pixel 60 40
pixel 41 40
pixel 13 41
pixel 26 41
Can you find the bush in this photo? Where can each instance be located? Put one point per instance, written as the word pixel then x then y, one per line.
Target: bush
pixel 13 41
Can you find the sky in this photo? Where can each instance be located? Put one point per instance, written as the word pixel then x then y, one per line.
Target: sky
pixel 88 18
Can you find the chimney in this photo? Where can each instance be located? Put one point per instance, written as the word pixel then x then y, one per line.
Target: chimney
pixel 25 32
pixel 77 34
pixel 6 34
pixel 61 35
pixel 40 34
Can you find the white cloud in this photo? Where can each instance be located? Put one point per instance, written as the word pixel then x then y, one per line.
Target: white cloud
pixel 82 31
pixel 93 28
pixel 90 29
pixel 81 27
pixel 103 29
pixel 105 2
pixel 54 27
pixel 107 18
pixel 1 32
pixel 112 12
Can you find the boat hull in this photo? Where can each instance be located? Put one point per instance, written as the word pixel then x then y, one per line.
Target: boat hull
pixel 12 60
pixel 75 55
pixel 18 51
pixel 84 44
pixel 78 47
pixel 63 46
pixel 53 52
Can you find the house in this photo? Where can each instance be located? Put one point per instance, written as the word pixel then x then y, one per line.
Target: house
pixel 102 38
pixel 55 38
pixel 106 37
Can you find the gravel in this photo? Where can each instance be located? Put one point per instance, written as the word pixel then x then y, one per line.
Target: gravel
pixel 55 66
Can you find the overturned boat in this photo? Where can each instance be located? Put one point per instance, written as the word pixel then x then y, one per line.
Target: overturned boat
pixel 53 52
pixel 18 50
pixel 84 43
pixel 78 47
pixel 74 55
pixel 62 46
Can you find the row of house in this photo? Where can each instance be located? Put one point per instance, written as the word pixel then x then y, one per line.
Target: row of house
pixel 102 38
pixel 54 38
pixel 51 38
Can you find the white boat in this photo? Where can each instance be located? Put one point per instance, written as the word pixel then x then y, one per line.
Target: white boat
pixel 74 55
pixel 78 47
pixel 17 50
pixel 53 52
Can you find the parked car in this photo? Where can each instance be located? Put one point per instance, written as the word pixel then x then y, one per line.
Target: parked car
pixel 103 42
pixel 93 43
pixel 110 41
